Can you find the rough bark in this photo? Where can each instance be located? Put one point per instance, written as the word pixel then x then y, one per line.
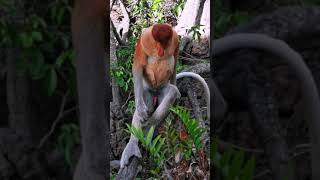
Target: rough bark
pixel 205 20
pixel 17 97
pixel 123 28
pixel 116 98
pixel 187 20
pixel 88 35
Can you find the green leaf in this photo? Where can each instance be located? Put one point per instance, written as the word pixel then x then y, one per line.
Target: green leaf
pixel 60 15
pixel 158 148
pixel 248 170
pixel 155 141
pixel 149 136
pixel 25 40
pixel 37 36
pixel 61 59
pixel 236 164
pixel 226 157
pixel 52 82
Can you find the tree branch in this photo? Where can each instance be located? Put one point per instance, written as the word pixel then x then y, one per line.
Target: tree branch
pixel 61 114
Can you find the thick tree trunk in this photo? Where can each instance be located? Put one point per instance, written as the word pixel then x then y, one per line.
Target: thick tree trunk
pixel 17 97
pixel 205 20
pixel 187 20
pixel 116 98
pixel 88 35
pixel 17 85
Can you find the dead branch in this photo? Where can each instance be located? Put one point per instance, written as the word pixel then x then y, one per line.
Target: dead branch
pixel 116 35
pixel 226 145
pixel 61 114
pixel 112 3
pixel 192 59
pixel 129 97
pixel 125 23
pixel 201 68
pixel 116 98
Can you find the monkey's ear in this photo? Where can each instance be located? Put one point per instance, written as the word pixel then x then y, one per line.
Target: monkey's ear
pixel 160 50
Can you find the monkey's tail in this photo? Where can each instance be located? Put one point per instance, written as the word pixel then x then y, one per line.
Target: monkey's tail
pixel 204 84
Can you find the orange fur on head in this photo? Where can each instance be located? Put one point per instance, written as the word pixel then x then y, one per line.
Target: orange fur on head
pixel 162 33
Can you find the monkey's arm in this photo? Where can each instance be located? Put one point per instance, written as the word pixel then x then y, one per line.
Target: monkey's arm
pixel 173 79
pixel 139 61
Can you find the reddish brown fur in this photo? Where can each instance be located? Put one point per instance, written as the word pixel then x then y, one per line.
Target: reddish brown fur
pixel 158 73
pixel 151 43
pixel 162 33
pixel 140 58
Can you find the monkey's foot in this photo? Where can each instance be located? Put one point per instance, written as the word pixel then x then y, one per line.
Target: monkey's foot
pixel 131 149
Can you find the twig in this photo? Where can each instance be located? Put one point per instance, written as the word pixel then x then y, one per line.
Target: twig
pixel 301 146
pixel 298 154
pixel 188 54
pixel 263 173
pixel 129 97
pixel 193 59
pixel 223 143
pixel 112 3
pixel 125 23
pixel 121 43
pixel 61 114
pixel 167 173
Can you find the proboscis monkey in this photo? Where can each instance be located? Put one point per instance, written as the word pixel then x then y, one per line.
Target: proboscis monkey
pixel 154 78
pixel 89 18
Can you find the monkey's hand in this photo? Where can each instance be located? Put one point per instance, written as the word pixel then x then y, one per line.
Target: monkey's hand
pixel 130 150
pixel 143 111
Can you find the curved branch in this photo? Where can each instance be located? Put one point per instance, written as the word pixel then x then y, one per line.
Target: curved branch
pixel 310 97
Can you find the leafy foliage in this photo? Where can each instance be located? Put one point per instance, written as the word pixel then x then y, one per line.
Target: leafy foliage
pixel 153 146
pixel 180 67
pixel 131 106
pixel 232 164
pixel 68 138
pixel 178 7
pixel 121 69
pixel 196 32
pixel 43 41
pixel 191 125
pixel 169 143
pixel 224 19
pixel 146 13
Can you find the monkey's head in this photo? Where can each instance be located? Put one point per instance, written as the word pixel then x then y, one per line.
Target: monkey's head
pixel 162 34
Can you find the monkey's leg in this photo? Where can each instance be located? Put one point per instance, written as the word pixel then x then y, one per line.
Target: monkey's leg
pixel 167 97
pixel 132 148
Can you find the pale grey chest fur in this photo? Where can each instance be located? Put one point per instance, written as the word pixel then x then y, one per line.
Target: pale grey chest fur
pixel 152 59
